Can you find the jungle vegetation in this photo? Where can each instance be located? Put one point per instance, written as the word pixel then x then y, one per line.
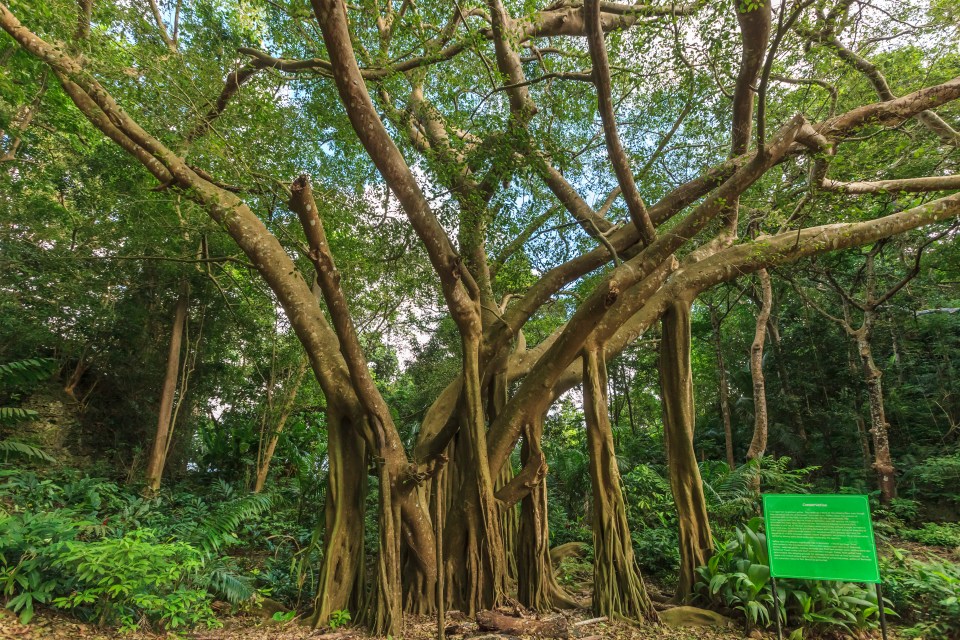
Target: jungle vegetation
pixel 410 293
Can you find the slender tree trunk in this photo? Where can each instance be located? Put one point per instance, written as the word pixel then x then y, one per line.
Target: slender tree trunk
pixel 510 523
pixel 70 388
pixel 724 389
pixel 158 453
pixel 758 444
pixel 383 611
pixel 276 427
pixel 676 384
pixel 618 589
pixel 883 462
pixel 509 518
pixel 792 401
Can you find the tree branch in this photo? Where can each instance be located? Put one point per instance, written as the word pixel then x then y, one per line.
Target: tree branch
pixel 618 157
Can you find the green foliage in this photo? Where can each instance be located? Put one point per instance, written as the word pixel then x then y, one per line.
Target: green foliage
pixel 658 552
pixel 281 616
pixel 938 535
pixel 30 545
pixel 736 576
pixel 87 545
pixel 935 477
pixel 927 591
pixel 573 571
pixel 14 448
pixel 27 372
pixel 14 377
pixel 737 579
pixel 219 528
pixel 128 580
pixel 339 618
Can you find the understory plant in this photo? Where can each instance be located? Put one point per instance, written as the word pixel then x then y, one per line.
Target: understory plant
pixel 929 590
pixel 133 579
pixel 736 580
pixel 113 557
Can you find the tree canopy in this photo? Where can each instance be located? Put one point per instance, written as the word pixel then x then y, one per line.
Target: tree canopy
pixel 467 221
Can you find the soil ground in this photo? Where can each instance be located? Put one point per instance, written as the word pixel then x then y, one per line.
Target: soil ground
pixel 49 625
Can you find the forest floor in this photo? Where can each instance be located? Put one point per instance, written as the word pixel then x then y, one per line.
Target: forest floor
pixel 49 625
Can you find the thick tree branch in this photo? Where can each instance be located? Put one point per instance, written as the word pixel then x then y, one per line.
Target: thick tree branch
pixel 457 284
pixel 615 151
pixel 304 205
pixel 234 81
pixel 912 185
pixel 933 122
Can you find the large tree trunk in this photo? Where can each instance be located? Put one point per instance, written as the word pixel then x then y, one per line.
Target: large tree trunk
pixel 537 586
pixel 618 589
pixel 476 558
pixel 161 441
pixel 883 462
pixel 676 384
pixel 341 573
pixel 724 389
pixel 758 444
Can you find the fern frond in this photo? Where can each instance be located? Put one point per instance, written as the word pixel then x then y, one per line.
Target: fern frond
pixel 26 371
pixel 230 586
pixel 218 529
pixel 8 447
pixel 12 415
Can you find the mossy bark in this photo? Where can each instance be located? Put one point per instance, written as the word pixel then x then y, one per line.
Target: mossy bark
pixel 676 384
pixel 341 573
pixel 537 586
pixel 618 589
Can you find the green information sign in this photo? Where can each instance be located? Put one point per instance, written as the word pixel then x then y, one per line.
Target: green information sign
pixel 821 537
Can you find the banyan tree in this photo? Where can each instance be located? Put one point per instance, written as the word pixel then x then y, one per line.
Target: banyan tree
pixel 643 140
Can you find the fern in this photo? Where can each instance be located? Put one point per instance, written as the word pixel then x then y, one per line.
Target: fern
pixel 28 371
pixel 218 529
pixel 12 415
pixel 224 582
pixel 12 447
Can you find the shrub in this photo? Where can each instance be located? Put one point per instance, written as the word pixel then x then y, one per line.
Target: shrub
pixel 938 535
pixel 30 545
pixel 935 478
pixel 133 578
pixel 737 579
pixel 88 545
pixel 657 552
pixel 930 589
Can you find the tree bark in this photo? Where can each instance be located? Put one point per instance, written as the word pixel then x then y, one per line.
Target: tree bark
pixel 276 425
pixel 341 584
pixel 676 385
pixel 618 589
pixel 758 444
pixel 724 389
pixel 158 453
pixel 537 586
pixel 883 461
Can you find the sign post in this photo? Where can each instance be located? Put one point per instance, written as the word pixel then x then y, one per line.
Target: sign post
pixel 821 537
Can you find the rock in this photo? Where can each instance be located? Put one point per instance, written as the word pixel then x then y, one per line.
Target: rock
pixel 694 617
